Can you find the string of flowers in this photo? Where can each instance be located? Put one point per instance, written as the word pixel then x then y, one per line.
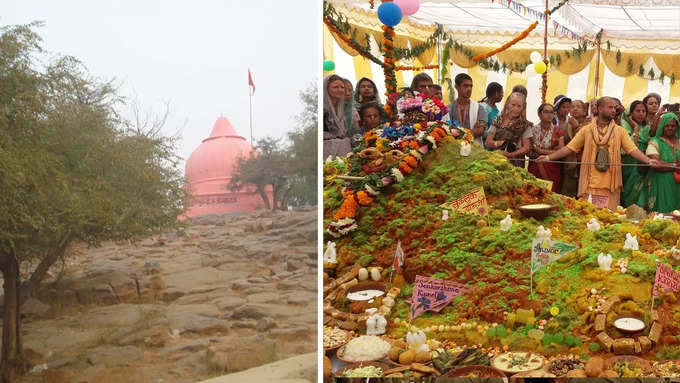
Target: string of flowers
pixel 388 67
pixel 417 68
pixel 507 45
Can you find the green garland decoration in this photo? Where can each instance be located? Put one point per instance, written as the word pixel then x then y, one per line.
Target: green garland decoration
pixel 558 6
pixel 415 51
pixel 341 23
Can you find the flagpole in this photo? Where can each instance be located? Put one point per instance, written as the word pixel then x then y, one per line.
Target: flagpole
pixel 250 101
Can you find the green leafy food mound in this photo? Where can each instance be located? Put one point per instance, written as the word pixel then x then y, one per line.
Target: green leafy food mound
pixel 471 249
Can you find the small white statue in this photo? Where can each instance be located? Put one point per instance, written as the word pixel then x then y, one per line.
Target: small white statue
pixel 329 159
pixel 363 274
pixel 593 225
pixel 605 261
pixel 445 215
pixel 376 323
pixel 375 274
pixel 416 341
pixel 543 234
pixel 631 242
pixel 506 223
pixel 330 256
pixel 465 149
pixel 590 198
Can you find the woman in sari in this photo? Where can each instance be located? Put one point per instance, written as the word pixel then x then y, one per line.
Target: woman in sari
pixel 663 190
pixel 351 115
pixel 546 139
pixel 634 120
pixel 336 142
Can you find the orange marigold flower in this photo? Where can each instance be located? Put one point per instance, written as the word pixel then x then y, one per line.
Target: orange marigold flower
pixel 348 209
pixel 363 198
pixel 411 161
pixel 404 168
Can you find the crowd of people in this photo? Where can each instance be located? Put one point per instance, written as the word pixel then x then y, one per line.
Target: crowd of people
pixel 597 150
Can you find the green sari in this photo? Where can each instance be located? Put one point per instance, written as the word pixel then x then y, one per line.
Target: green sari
pixel 661 188
pixel 632 180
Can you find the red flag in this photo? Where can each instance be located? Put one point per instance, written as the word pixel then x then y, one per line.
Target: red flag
pixel 666 279
pixel 398 257
pixel 251 83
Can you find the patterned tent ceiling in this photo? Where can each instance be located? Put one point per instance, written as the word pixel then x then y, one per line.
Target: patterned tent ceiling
pixel 638 24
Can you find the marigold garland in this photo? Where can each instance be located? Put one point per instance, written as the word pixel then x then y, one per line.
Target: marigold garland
pixel 349 42
pixel 349 206
pixel 507 45
pixel 417 68
pixel 411 161
pixel 363 198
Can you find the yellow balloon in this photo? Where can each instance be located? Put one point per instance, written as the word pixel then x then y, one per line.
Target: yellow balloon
pixel 540 67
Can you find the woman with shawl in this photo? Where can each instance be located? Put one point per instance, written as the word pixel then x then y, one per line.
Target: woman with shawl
pixel 662 187
pixel 510 132
pixel 366 91
pixel 634 120
pixel 336 141
pixel 351 115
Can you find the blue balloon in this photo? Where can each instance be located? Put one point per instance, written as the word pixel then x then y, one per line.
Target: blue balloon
pixel 389 14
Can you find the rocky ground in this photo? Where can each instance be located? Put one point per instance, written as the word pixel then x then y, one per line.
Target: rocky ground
pixel 223 295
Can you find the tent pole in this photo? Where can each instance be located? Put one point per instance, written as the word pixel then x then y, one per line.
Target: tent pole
pixel 597 70
pixel 439 59
pixel 544 88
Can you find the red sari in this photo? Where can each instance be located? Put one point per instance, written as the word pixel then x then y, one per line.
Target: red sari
pixel 546 170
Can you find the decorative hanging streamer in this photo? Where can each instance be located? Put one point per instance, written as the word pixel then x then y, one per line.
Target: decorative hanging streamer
pixel 541 16
pixel 507 45
pixel 417 68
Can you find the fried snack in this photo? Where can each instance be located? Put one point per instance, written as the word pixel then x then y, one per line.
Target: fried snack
pixel 594 366
pixel 396 370
pixel 423 368
pixel 423 357
pixel 576 374
pixel 407 357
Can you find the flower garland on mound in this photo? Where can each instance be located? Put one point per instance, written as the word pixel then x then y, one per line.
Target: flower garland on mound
pixel 390 154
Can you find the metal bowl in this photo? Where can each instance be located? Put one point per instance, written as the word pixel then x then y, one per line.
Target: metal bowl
pixel 536 210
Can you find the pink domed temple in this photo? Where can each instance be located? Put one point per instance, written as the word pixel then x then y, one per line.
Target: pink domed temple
pixel 208 171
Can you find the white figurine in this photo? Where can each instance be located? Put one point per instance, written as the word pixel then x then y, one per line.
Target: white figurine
pixel 590 198
pixel 465 149
pixel 506 223
pixel 375 274
pixel 330 256
pixel 416 341
pixel 543 234
pixel 376 323
pixel 605 261
pixel 363 274
pixel 445 215
pixel 631 242
pixel 593 225
pixel 329 159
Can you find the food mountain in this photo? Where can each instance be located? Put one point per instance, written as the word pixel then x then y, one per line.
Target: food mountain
pixel 391 189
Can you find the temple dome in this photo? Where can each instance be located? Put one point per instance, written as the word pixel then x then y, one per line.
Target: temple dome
pixel 208 171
